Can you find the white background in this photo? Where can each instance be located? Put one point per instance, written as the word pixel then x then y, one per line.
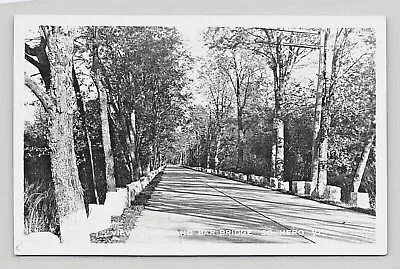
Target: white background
pixel 205 7
pixel 11 1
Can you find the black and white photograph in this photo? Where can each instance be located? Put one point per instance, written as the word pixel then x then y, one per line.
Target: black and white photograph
pixel 199 135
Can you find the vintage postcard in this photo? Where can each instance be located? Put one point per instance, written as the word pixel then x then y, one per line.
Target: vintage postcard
pixel 200 135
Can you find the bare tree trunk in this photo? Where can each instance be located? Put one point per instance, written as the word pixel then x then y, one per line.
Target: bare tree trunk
pixel 328 87
pixel 323 161
pixel 105 127
pixel 273 160
pixel 105 133
pixel 59 104
pixel 185 157
pixel 279 131
pixel 278 125
pixel 132 146
pixel 159 158
pixel 278 159
pixel 133 135
pixel 323 152
pixel 152 156
pixel 217 150
pixel 240 136
pixel 318 109
pixel 117 124
pixel 208 156
pixel 69 193
pixel 126 146
pixel 209 142
pixel 155 156
pixel 88 151
pixel 323 146
pixel 198 155
pixel 92 165
pixel 364 158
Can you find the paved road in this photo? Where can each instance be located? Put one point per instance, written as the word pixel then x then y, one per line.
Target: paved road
pixel 191 207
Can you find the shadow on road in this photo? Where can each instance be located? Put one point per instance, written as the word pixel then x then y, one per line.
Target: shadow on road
pixel 201 207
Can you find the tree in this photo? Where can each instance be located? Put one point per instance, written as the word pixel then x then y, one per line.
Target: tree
pixel 105 128
pixel 243 71
pixel 353 119
pixel 339 75
pixel 220 97
pixel 328 84
pixel 89 183
pixel 364 156
pixel 37 56
pixel 318 106
pixel 283 49
pixel 59 104
pixel 143 72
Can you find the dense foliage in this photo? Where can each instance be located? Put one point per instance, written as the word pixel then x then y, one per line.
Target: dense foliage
pixel 352 107
pixel 143 70
pixel 248 78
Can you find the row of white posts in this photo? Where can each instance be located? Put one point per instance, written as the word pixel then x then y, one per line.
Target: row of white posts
pixel 115 203
pixel 99 219
pixel 299 188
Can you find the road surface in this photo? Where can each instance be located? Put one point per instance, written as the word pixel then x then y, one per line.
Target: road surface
pixel 193 207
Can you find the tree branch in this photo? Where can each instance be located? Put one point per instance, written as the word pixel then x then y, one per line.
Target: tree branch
pixel 33 61
pixel 40 93
pixel 30 51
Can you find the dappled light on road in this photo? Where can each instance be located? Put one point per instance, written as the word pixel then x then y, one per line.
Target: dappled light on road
pixel 189 206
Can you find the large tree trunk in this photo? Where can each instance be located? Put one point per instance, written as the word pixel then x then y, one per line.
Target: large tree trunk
pixel 278 125
pixel 68 189
pixel 323 136
pixel 323 146
pixel 323 158
pixel 106 138
pixel 364 158
pixel 86 175
pixel 69 193
pixel 105 127
pixel 318 109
